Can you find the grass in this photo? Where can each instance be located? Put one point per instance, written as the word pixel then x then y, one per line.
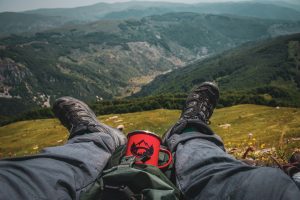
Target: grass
pixel 276 131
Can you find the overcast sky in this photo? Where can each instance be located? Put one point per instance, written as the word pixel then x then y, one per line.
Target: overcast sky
pixel 21 5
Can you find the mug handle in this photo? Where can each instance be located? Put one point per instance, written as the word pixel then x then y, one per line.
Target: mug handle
pixel 169 161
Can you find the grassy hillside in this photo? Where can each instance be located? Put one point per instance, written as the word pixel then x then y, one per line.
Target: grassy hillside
pixel 263 72
pixel 275 130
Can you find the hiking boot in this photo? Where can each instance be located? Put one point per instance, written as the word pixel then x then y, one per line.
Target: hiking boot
pixel 293 165
pixel 201 102
pixel 295 158
pixel 79 119
pixel 198 109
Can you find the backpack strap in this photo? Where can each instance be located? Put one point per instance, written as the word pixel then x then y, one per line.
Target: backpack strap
pixel 122 192
pixel 127 161
pixel 116 157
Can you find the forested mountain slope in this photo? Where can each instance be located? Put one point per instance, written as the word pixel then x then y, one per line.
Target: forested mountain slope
pixel 266 72
pixel 106 58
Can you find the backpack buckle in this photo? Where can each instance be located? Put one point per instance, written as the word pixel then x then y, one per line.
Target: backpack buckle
pixel 127 161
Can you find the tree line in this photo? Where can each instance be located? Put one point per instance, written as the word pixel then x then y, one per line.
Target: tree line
pixel 166 101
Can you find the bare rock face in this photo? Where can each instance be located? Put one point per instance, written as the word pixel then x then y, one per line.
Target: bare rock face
pixel 16 83
pixel 12 74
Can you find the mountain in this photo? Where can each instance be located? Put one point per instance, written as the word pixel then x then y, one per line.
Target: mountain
pixel 99 10
pixel 106 59
pixel 45 19
pixel 251 9
pixel 17 23
pixel 264 72
pixel 142 9
pixel 247 9
pixel 293 4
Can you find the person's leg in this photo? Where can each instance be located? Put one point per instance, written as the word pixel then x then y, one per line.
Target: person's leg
pixel 203 170
pixel 206 171
pixel 62 172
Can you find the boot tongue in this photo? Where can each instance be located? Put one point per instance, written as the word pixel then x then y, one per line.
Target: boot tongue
pixel 189 129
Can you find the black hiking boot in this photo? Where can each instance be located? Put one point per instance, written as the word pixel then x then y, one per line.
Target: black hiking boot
pixel 293 165
pixel 79 119
pixel 201 102
pixel 198 109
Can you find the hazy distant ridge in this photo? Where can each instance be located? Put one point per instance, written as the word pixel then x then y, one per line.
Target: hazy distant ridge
pixel 42 19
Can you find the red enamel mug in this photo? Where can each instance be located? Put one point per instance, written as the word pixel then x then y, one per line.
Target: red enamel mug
pixel 146 146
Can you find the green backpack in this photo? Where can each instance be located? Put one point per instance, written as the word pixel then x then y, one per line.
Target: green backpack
pixel 125 180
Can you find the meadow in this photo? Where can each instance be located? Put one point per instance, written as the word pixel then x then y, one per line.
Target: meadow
pixel 271 131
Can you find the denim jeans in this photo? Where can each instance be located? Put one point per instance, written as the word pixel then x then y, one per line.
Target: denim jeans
pixel 203 170
pixel 296 178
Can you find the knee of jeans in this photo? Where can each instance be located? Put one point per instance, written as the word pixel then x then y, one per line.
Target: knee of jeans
pixel 184 138
pixel 271 177
pixel 102 140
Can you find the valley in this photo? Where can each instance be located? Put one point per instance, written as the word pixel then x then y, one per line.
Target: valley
pixel 99 59
pixel 265 72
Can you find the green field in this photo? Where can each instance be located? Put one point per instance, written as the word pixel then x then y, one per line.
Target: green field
pixel 275 131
